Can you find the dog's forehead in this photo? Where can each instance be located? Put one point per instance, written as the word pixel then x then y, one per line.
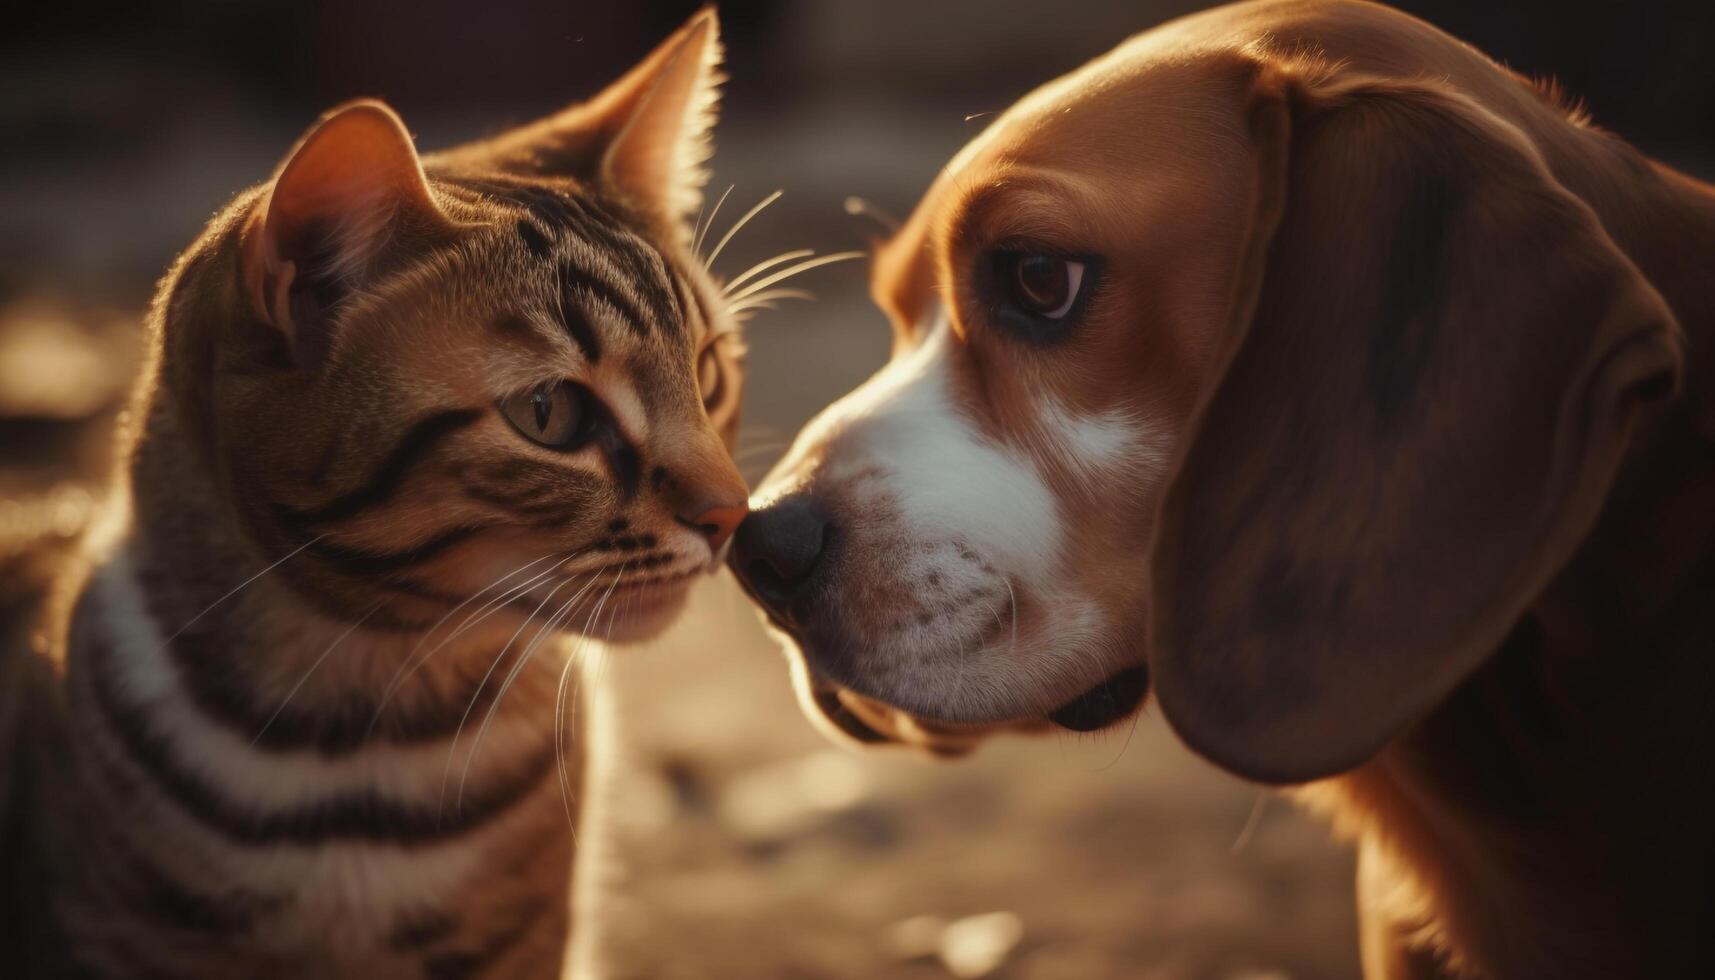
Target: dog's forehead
pixel 1130 129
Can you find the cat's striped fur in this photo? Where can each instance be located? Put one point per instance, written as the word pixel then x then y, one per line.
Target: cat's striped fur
pixel 314 721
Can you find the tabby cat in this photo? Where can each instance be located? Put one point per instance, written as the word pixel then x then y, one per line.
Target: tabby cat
pixel 406 420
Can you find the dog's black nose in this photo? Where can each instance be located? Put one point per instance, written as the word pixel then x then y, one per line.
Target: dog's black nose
pixel 778 547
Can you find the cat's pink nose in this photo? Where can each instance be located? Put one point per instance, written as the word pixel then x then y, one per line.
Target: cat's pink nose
pixel 718 523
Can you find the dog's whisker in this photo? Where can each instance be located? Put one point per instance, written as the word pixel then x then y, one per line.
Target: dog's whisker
pixel 752 452
pixel 1251 823
pixel 764 266
pixel 737 225
pixel 793 270
pixel 858 207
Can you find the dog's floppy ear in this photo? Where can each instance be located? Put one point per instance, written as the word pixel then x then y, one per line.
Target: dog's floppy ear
pixel 1428 381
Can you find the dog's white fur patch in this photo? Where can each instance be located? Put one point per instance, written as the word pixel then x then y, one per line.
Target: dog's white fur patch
pixel 1098 445
pixel 947 479
pixel 971 527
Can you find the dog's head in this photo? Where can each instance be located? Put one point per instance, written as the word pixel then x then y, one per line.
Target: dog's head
pixel 1277 386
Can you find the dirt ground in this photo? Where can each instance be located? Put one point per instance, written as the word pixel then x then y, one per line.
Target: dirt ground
pixel 743 845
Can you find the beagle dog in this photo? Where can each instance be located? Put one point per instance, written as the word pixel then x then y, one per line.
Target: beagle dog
pixel 1300 365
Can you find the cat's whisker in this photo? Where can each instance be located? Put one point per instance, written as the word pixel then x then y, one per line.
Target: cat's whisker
pixel 473 619
pixel 240 588
pixel 560 698
pixel 452 749
pixel 697 225
pixel 614 611
pixel 764 266
pixel 560 734
pixel 312 669
pixel 589 623
pixel 766 300
pixel 793 270
pixel 454 611
pixel 697 243
pixel 744 315
pixel 737 225
pixel 408 668
pixel 549 627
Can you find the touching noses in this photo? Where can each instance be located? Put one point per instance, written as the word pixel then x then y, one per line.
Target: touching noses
pixel 715 521
pixel 778 549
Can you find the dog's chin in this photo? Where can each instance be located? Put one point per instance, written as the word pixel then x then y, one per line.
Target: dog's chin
pixel 849 716
pixel 1108 703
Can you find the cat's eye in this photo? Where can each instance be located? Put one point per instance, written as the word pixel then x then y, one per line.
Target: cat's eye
pixel 557 414
pixel 711 377
pixel 1043 285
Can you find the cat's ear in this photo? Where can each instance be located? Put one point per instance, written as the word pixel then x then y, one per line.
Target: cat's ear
pixel 350 190
pixel 659 155
pixel 645 138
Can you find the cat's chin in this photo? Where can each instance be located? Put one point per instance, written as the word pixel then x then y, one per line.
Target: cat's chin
pixel 644 615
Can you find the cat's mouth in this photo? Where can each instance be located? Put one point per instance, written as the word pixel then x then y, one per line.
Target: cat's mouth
pixel 648 587
pixel 640 606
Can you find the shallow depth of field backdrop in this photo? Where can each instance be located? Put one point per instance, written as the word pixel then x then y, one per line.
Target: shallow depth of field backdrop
pixel 740 845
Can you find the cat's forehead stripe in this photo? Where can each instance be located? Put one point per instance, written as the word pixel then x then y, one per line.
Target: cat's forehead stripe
pixel 538 241
pixel 641 266
pixel 582 293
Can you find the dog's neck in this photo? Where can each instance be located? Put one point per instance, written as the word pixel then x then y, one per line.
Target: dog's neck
pixel 1552 792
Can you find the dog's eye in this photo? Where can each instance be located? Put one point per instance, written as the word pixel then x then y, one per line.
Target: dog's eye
pixel 1044 285
pixel 557 414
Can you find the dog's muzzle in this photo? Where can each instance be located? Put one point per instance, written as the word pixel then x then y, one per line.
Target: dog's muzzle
pixel 780 556
pixel 777 552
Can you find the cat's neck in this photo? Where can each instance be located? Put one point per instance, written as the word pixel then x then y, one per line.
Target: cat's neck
pixel 295 671
pixel 286 772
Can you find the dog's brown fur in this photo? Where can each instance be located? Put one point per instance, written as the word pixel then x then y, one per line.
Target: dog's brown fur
pixel 1547 818
pixel 1437 534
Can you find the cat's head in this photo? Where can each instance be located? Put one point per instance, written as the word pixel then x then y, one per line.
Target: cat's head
pixel 501 367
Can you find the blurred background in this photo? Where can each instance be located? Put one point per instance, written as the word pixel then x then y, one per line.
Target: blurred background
pixel 740 845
